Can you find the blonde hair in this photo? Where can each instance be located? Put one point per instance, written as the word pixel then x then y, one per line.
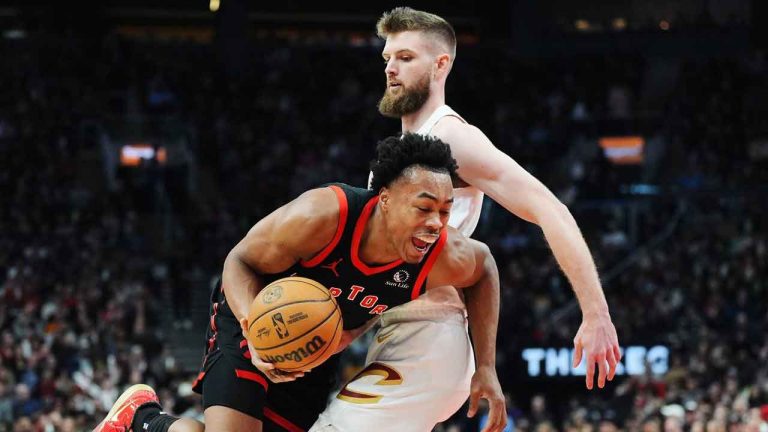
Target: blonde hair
pixel 406 19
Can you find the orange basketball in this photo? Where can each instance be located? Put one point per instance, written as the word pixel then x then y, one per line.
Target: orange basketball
pixel 294 323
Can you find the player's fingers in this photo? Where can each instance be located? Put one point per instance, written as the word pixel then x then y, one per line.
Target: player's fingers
pixel 260 364
pixel 601 370
pixel 497 416
pixel 244 326
pixel 503 424
pixel 590 371
pixel 291 376
pixel 617 352
pixel 500 422
pixel 611 364
pixel 272 376
pixel 279 376
pixel 577 353
pixel 474 398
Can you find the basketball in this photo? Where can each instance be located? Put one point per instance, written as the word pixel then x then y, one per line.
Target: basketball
pixel 294 323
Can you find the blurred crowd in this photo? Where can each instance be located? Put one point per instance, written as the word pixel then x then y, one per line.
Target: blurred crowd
pixel 89 275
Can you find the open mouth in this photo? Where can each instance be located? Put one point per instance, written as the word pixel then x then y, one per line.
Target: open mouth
pixel 423 242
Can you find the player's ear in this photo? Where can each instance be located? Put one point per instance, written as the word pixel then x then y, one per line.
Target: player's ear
pixel 442 63
pixel 384 198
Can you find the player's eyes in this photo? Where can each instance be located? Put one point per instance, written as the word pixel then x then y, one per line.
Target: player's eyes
pixel 423 210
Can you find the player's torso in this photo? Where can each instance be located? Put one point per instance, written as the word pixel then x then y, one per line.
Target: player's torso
pixel 362 291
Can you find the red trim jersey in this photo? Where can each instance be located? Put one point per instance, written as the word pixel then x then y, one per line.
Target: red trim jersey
pixel 362 291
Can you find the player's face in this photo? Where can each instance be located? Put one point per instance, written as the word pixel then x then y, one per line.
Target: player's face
pixel 417 210
pixel 408 67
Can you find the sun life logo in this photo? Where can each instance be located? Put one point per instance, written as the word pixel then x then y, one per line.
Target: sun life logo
pixel 401 276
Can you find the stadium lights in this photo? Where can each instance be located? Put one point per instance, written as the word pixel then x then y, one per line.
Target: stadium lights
pixel 14 34
pixel 582 25
pixel 214 5
pixel 619 23
pixel 664 25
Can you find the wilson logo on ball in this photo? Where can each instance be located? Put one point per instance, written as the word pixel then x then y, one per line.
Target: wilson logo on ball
pixel 299 354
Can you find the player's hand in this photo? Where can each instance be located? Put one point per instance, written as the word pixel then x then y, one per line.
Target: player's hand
pixel 268 369
pixel 597 342
pixel 485 385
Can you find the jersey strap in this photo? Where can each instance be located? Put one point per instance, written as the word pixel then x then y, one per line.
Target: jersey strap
pixel 343 212
pixel 439 113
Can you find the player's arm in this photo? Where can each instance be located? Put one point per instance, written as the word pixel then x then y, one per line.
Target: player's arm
pixel 349 336
pixel 495 173
pixel 468 264
pixel 298 230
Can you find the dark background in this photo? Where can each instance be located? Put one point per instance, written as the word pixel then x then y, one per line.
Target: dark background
pixel 105 269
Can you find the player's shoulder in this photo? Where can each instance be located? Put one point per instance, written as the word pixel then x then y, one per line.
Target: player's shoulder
pixel 454 130
pixel 458 255
pixel 315 206
pixel 349 190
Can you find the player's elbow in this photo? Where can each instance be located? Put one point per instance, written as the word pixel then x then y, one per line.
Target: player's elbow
pixel 238 255
pixel 547 207
pixel 235 256
pixel 482 251
pixel 482 260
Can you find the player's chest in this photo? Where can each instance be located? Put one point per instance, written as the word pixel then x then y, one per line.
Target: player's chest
pixel 354 290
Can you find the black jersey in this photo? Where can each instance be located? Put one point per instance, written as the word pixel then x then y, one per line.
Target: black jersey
pixel 362 291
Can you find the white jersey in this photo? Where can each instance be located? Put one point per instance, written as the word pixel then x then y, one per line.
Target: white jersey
pixel 467 201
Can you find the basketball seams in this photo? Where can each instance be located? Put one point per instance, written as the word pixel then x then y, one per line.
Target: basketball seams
pixel 307 366
pixel 306 281
pixel 282 305
pixel 298 283
pixel 326 318
pixel 309 282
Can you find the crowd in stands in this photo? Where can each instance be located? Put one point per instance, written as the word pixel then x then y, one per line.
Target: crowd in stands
pixel 85 284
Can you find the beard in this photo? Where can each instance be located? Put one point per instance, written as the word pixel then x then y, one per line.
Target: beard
pixel 408 101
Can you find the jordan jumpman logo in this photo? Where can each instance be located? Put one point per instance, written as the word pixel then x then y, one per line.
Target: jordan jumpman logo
pixel 332 266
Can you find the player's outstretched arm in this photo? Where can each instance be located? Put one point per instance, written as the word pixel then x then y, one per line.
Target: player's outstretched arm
pixel 468 264
pixel 495 173
pixel 296 231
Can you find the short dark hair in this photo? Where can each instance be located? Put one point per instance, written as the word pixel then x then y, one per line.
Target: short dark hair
pixel 397 153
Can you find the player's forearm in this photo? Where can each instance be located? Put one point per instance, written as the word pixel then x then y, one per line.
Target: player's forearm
pixel 349 336
pixel 573 256
pixel 563 235
pixel 240 284
pixel 482 301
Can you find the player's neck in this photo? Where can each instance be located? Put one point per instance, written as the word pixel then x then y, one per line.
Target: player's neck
pixel 374 247
pixel 412 122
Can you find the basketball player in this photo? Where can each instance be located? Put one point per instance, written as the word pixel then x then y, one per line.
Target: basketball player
pixel 380 248
pixel 419 52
